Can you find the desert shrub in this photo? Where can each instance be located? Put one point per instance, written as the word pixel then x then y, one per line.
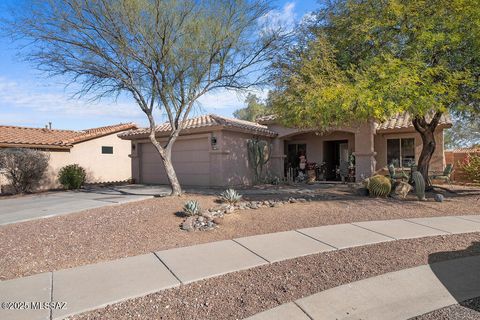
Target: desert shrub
pixel 191 208
pixel 72 176
pixel 230 196
pixel 471 167
pixel 23 168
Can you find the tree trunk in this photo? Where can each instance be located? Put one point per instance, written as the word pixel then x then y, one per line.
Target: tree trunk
pixel 427 133
pixel 172 176
pixel 166 156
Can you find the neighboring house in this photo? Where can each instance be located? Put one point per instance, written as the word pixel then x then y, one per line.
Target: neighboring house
pixel 212 150
pixel 99 150
pixel 457 157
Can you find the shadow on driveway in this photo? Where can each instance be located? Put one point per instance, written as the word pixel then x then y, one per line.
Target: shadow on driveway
pixel 461 277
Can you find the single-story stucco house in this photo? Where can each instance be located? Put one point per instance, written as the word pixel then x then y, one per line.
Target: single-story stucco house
pixel 212 150
pixel 99 151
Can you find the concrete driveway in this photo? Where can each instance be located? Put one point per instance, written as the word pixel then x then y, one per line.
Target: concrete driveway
pixel 56 203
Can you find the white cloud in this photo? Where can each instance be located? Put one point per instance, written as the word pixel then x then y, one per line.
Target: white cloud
pixel 26 95
pixel 283 18
pixel 224 99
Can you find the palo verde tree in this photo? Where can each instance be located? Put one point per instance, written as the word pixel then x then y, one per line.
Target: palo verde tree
pixel 364 60
pixel 165 54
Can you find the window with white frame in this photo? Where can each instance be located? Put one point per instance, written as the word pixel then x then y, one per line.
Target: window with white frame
pixel 401 152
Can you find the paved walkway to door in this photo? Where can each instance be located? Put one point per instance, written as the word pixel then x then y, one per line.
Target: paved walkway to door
pixel 93 286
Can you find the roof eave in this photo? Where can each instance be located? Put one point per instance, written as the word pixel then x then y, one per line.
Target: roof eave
pixel 39 146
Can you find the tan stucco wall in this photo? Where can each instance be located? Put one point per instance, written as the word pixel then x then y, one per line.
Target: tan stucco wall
pixel 99 167
pixel 314 142
pixel 438 159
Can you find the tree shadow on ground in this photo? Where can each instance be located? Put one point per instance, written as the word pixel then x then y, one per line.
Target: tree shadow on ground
pixel 461 277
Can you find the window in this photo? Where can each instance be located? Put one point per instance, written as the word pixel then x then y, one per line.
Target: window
pixel 107 150
pixel 401 152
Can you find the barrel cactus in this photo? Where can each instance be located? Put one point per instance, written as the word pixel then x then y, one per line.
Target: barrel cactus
pixel 419 182
pixel 378 186
pixel 191 208
pixel 230 196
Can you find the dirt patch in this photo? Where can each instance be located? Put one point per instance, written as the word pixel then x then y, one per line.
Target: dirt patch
pixel 139 227
pixel 242 294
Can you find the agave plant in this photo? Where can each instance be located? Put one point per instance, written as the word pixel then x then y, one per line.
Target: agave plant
pixel 191 208
pixel 230 196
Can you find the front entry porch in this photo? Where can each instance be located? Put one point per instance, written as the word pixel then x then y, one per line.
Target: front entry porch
pixel 339 155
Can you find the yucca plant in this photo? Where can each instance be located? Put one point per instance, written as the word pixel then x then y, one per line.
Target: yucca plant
pixel 230 196
pixel 191 208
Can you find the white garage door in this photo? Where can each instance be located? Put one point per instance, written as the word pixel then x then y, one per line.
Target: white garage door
pixel 191 160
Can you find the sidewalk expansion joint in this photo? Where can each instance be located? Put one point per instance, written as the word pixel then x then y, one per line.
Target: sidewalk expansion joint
pixel 423 225
pixel 306 235
pixel 382 234
pixel 264 259
pixel 305 312
pixel 168 268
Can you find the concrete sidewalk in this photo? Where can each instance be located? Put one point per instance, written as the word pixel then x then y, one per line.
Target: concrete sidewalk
pixel 93 286
pixel 55 203
pixel 395 296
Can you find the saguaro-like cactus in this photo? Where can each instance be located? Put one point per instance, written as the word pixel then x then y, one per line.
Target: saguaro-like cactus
pixel 258 156
pixel 419 185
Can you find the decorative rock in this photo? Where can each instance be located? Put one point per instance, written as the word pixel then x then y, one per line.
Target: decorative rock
pixel 218 220
pixel 187 225
pixel 301 200
pixel 363 192
pixel 439 197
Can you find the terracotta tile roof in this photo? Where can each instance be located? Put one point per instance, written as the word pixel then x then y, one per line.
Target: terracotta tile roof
pixel 404 120
pixel 11 136
pixel 400 121
pixel 206 121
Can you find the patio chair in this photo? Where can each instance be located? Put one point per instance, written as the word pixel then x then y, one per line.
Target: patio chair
pixel 445 175
pixel 394 175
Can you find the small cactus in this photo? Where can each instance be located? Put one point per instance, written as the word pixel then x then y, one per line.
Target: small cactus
pixel 378 186
pixel 191 208
pixel 230 196
pixel 419 182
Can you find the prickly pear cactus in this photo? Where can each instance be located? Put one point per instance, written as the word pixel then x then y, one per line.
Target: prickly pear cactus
pixel 419 185
pixel 378 186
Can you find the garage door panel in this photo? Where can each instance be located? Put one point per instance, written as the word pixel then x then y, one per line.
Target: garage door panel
pixel 191 160
pixel 188 156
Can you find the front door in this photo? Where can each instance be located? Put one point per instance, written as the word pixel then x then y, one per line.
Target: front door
pixel 334 153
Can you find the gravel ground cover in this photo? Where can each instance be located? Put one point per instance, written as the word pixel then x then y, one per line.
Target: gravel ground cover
pixel 242 294
pixel 467 310
pixel 139 227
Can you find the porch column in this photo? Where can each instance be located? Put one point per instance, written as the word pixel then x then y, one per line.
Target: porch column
pixel 365 162
pixel 277 158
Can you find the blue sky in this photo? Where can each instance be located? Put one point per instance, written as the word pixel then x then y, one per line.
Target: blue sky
pixel 29 98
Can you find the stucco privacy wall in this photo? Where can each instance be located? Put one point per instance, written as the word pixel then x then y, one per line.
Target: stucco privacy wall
pixel 438 159
pixel 88 154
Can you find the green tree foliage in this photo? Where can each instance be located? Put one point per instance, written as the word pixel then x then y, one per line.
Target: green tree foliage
pixel 465 132
pixel 370 59
pixel 255 108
